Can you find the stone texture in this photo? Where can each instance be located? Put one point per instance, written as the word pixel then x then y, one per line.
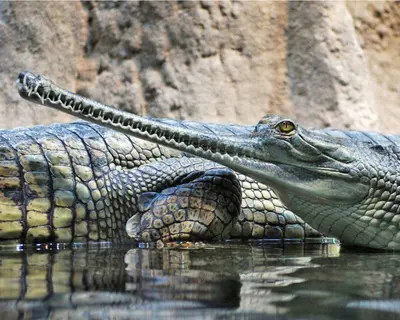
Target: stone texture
pixel 377 26
pixel 219 61
pixel 205 60
pixel 329 82
pixel 41 36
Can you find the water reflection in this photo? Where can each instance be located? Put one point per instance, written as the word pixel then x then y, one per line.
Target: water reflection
pixel 171 275
pixel 207 282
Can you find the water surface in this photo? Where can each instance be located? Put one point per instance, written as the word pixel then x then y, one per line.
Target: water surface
pixel 240 281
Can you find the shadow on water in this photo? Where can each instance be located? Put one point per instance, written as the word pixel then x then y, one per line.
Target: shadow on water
pixel 259 281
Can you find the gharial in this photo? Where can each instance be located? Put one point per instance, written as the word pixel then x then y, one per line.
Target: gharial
pixel 82 181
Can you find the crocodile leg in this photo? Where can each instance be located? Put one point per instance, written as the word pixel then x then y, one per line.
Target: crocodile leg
pixel 204 206
pixel 212 203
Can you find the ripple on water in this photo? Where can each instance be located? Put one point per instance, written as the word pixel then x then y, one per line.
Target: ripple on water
pixel 316 281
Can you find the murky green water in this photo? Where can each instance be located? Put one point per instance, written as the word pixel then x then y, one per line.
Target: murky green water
pixel 214 282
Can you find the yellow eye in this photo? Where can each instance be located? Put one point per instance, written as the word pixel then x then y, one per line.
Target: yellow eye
pixel 286 126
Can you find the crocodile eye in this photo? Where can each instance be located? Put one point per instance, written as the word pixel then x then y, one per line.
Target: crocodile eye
pixel 286 126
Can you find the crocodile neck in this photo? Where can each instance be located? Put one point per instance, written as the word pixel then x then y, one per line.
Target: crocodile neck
pixel 369 222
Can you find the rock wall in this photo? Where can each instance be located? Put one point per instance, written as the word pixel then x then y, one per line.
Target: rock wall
pixel 377 26
pixel 219 61
pixel 330 84
pixel 43 37
pixel 205 60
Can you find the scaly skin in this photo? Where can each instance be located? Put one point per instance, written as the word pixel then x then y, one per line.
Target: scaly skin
pixel 81 182
pixel 344 184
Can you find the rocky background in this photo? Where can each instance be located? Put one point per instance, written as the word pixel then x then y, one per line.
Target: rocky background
pixel 324 63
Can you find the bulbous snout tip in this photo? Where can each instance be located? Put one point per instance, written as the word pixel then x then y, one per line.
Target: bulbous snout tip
pixel 23 81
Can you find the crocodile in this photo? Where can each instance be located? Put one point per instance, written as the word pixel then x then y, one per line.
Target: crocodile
pixel 80 182
pixel 343 183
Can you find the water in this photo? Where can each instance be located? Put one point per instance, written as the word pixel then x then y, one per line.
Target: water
pixel 229 281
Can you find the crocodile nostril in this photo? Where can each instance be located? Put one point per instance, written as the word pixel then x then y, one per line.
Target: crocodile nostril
pixel 21 76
